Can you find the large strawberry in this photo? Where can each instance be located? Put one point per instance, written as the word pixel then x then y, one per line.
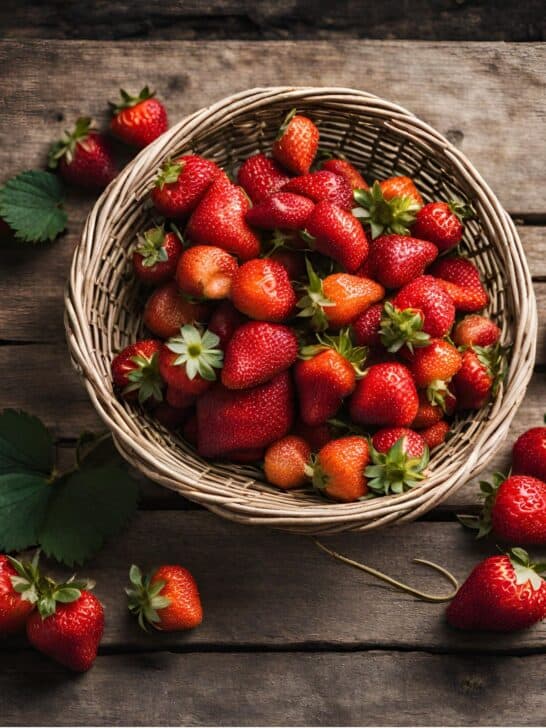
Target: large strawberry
pixel 283 211
pixel 205 271
pixel 395 260
pixel 338 471
pixel 529 453
pixel 461 280
pixel 385 396
pixel 476 330
pixel 181 183
pixel 399 457
pixel 478 377
pixel 187 362
pixel 138 120
pixel 261 289
pixel 285 461
pixel 156 255
pixel 441 223
pixel 296 143
pixel 261 177
pixel 135 371
pixel 168 309
pixel 346 170
pixel 322 185
pixel 338 234
pixel 18 592
pixel 385 214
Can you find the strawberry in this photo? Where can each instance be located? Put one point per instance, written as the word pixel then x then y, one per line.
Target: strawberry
pixel 367 326
pixel 219 219
pixel 461 280
pixel 283 210
pixel 261 177
pixel 83 157
pixel 436 363
pixel 441 223
pixel 181 184
pixel 261 289
pixel 168 309
pixel 322 185
pixel 475 329
pixel 296 143
pixel 345 169
pixel 338 470
pixel 325 374
pixel 252 455
pixel 395 260
pixel 292 261
pixel 384 214
pixel 225 321
pixel 529 453
pixel 232 420
pixel 429 413
pixel 172 418
pixel 18 593
pixel 400 187
pixel 502 594
pixel 138 120
pixel 205 271
pixel 156 256
pixel 338 234
pixel 285 461
pixel 182 399
pixel 316 436
pixel 187 362
pixel 257 352
pixel 135 371
pixel 68 625
pixel 436 434
pixel 478 376
pixel 399 457
pixel 385 396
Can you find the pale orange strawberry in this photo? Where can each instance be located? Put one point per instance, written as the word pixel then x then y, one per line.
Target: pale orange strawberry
pixel 285 460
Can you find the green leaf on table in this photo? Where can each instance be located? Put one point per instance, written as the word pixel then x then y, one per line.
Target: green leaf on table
pixel 31 204
pixel 23 503
pixel 25 444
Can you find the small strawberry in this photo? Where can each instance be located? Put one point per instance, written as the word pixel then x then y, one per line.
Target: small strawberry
pixel 83 157
pixel 256 353
pixel 18 592
pixel 441 223
pixel 205 271
pixel 338 234
pixel 283 211
pixel 478 377
pixel 529 453
pixel 478 330
pixel 338 470
pixel 396 187
pixel 367 326
pixel 135 372
pixel 399 457
pixel 168 309
pixel 285 461
pixel 461 280
pixel 395 260
pixel 346 170
pixel 436 434
pixel 429 413
pixel 187 362
pixel 296 143
pixel 385 214
pixel 385 396
pixel 502 594
pixel 225 321
pixel 219 219
pixel 425 295
pixel 172 418
pixel 261 177
pixel 435 364
pixel 261 289
pixel 156 256
pixel 138 120
pixel 322 185
pixel 167 599
pixel 181 184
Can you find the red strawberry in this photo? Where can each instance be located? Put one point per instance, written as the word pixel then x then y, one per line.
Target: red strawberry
pixel 529 453
pixel 135 371
pixel 441 223
pixel 168 309
pixel 316 436
pixel 219 219
pixel 323 185
pixel 172 418
pixel 437 362
pixel 399 457
pixel 435 435
pixel 426 295
pixel 297 143
pixel 478 330
pixel 18 595
pixel 138 120
pixel 338 470
pixel 400 187
pixel 338 234
pixel 205 271
pixel 182 183
pixel 385 214
pixel 187 362
pixel 261 177
pixel 84 157
pixel 346 170
pixel 261 289
pixel 292 261
pixel 366 326
pixel 181 399
pixel 386 396
pixel 225 321
pixel 476 379
pixel 256 353
pixel 167 599
pixel 156 256
pixel 429 413
pixel 461 280
pixel 283 210
pixel 230 420
pixel 395 260
pixel 285 461
pixel 502 594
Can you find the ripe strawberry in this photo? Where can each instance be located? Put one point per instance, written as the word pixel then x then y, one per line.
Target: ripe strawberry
pixel 461 280
pixel 529 453
pixel 156 256
pixel 285 461
pixel 296 143
pixel 430 413
pixel 261 289
pixel 477 378
pixel 502 594
pixel 83 157
pixel 346 170
pixel 187 362
pixel 437 362
pixel 395 260
pixel 400 187
pixel 183 399
pixel 435 435
pixel 18 593
pixel 366 326
pixel 322 185
pixel 316 436
pixel 138 120
pixel 385 396
pixel 205 271
pixel 172 418
pixel 292 261
pixel 326 374
pixel 167 599
pixel 261 177
pixel 227 419
pixel 225 321
pixel 385 214
pixel 168 309
pixel 283 210
pixel 135 371
pixel 181 184
pixel 426 296
pixel 338 234
pixel 219 219
pixel 441 223
pixel 478 330
pixel 338 470
pixel 399 457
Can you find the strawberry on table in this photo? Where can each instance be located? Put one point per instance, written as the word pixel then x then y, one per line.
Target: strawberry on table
pixel 205 271
pixel 476 330
pixel 261 177
pixel 441 223
pixel 322 185
pixel 297 143
pixel 395 260
pixel 181 183
pixel 385 396
pixel 224 321
pixel 283 211
pixel 156 255
pixel 18 593
pixel 399 457
pixel 478 376
pixel 135 372
pixel 385 214
pixel 285 461
pixel 461 280
pixel 346 170
pixel 138 120
pixel 261 289
pixel 338 470
pixel 168 309
pixel 337 233
pixel 529 453
pixel 187 362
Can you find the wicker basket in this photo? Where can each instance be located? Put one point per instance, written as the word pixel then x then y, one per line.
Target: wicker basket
pixel 103 313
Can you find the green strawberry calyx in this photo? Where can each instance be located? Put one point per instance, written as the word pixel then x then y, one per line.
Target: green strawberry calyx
pixel 312 304
pixel 26 581
pixel 343 345
pixel 385 216
pixel 169 173
pixel 437 392
pixel 66 146
pixel 493 359
pixel 463 210
pixel 128 100
pixel 395 471
pixel 197 351
pixel 144 598
pixel 402 327
pixel 314 471
pixel 285 124
pixel 525 570
pixel 151 246
pixel 145 378
pixel 488 491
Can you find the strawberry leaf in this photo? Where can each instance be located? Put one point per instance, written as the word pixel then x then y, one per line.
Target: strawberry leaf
pixel 23 502
pixel 31 204
pixel 25 444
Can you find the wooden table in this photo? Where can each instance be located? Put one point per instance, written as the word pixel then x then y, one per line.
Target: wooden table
pixel 290 636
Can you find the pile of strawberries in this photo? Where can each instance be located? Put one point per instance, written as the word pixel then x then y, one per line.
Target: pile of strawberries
pixel 303 319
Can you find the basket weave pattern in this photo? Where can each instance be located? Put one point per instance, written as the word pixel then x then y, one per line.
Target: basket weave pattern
pixel 104 301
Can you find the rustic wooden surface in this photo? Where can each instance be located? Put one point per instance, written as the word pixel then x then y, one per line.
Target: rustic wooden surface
pixel 290 637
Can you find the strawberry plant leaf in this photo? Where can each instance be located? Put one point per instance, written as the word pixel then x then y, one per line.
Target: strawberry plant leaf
pixel 23 502
pixel 25 444
pixel 31 204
